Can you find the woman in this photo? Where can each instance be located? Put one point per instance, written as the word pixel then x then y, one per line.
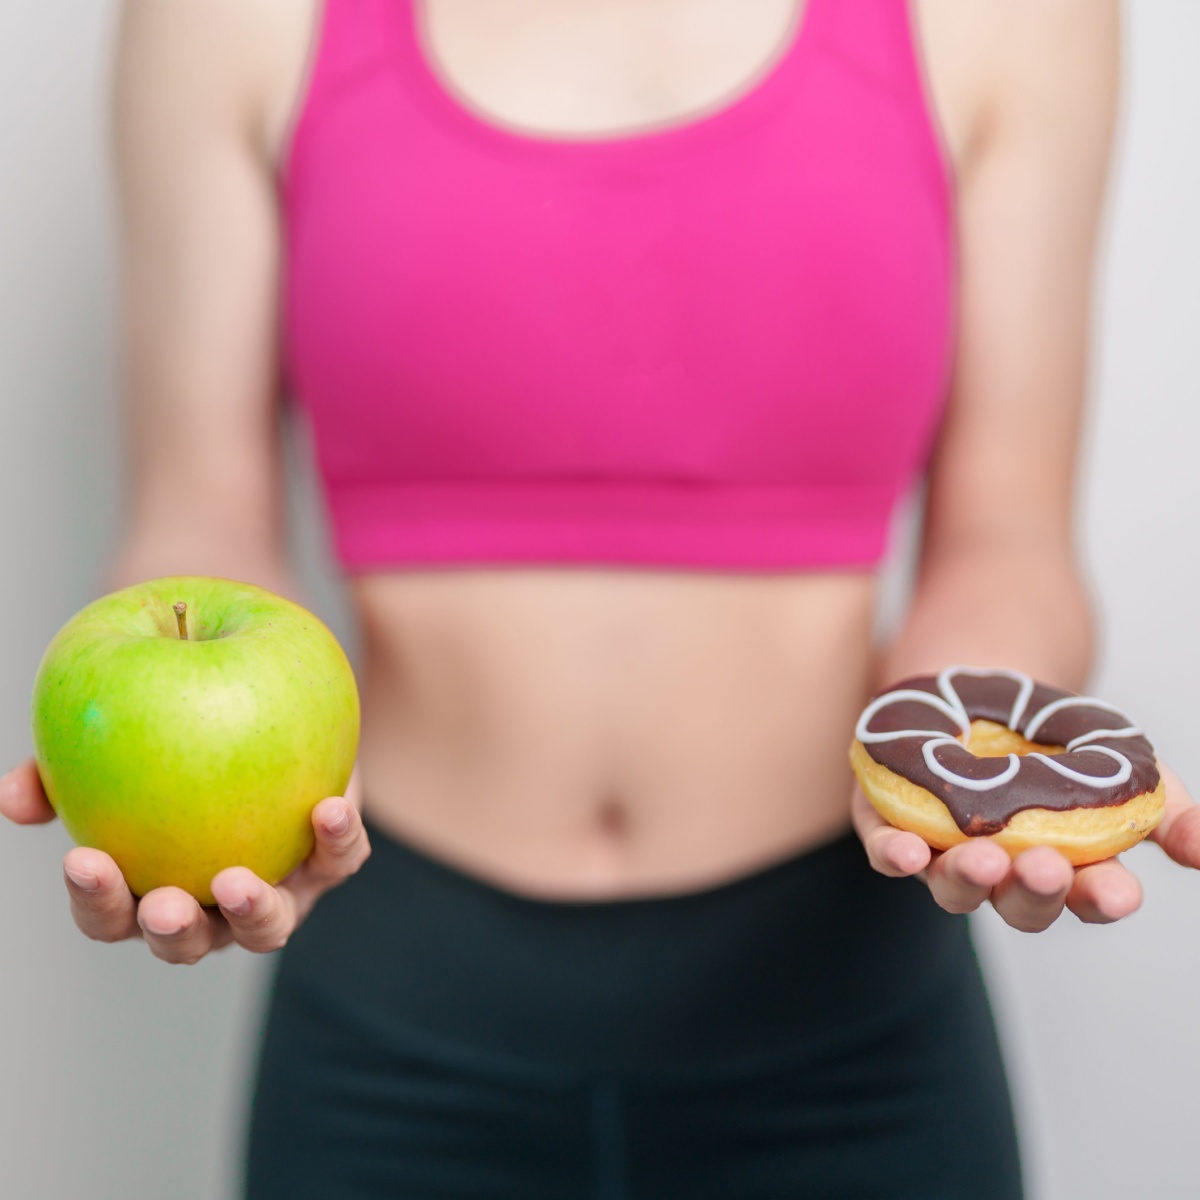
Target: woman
pixel 621 327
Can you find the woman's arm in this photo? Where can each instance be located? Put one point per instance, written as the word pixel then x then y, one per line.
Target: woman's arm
pixel 998 582
pixel 201 259
pixel 997 579
pixel 201 263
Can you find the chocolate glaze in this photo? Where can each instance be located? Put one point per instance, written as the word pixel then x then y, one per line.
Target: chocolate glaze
pixel 1035 784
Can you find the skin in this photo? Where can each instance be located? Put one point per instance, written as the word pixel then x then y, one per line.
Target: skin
pixel 607 733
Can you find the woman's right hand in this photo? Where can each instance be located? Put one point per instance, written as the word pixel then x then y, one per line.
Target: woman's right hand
pixel 170 921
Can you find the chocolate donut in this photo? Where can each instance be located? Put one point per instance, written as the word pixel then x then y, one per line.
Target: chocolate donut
pixel 992 753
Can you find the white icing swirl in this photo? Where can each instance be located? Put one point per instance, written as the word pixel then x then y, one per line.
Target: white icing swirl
pixel 949 704
pixel 974 785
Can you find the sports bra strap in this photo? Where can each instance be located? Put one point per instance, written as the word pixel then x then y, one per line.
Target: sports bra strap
pixel 351 38
pixel 879 37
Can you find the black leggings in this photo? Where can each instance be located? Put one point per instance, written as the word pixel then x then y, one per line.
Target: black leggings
pixel 812 1030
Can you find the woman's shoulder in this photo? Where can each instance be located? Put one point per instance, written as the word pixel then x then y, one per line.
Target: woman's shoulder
pixel 237 63
pixel 991 61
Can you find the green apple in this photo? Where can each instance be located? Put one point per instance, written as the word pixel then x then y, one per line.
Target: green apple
pixel 190 724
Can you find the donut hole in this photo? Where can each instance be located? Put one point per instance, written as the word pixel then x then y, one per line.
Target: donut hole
pixel 991 740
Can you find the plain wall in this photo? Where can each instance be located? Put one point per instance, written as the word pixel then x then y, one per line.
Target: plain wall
pixel 123 1077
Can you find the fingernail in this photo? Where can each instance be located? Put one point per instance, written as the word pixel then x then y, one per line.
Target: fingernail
pixel 339 824
pixel 240 909
pixel 82 880
pixel 164 931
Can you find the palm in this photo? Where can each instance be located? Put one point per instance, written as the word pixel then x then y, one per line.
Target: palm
pixel 1030 891
pixel 174 926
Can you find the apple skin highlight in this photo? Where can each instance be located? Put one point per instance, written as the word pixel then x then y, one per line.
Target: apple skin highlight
pixel 180 757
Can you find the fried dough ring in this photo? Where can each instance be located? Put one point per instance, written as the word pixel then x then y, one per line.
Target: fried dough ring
pixel 1082 835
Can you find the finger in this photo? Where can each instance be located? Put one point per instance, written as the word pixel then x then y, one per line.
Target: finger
pixel 342 846
pixel 891 851
pixel 259 917
pixel 22 797
pixel 218 928
pixel 174 926
pixel 1104 892
pixel 101 903
pixel 1178 833
pixel 963 877
pixel 1032 894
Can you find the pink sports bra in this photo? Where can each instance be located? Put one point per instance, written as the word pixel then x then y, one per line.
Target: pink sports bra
pixel 724 344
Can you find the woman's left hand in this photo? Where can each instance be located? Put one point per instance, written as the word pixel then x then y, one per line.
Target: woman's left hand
pixel 1031 890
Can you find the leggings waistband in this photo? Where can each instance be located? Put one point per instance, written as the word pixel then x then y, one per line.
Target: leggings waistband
pixel 798 954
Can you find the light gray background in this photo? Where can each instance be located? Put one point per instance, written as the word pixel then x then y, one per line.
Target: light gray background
pixel 123 1078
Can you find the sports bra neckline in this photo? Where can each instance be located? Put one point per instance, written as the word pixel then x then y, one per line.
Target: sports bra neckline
pixel 741 102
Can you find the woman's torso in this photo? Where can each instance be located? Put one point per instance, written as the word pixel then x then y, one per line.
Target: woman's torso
pixel 611 731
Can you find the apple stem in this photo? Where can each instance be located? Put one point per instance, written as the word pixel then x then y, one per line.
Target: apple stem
pixel 180 611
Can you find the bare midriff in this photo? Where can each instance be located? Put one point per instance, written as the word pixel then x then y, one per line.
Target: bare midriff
pixel 604 733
